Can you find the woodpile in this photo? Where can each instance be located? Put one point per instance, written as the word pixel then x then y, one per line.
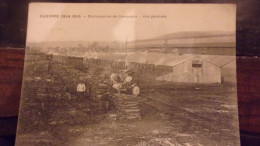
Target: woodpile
pixel 128 107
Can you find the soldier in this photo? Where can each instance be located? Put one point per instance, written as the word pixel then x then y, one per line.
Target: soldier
pixel 127 77
pixel 81 89
pixel 117 86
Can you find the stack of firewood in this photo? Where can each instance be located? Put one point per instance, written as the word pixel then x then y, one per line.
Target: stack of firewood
pixel 128 107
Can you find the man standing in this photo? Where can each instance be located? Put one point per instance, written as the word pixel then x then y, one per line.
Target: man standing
pixel 81 88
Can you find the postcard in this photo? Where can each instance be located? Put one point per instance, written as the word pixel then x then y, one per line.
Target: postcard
pixel 129 74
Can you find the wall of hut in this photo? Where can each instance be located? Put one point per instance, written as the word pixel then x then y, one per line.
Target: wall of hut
pixel 228 72
pixel 118 64
pixel 150 68
pixel 148 72
pixel 76 62
pixel 196 70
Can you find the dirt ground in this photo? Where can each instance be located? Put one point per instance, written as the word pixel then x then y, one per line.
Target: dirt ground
pixel 170 115
pixel 66 123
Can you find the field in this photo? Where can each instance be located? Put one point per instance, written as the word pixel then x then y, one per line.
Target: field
pixel 166 114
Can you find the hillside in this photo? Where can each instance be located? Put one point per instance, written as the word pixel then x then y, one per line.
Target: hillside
pixel 188 39
pixel 190 35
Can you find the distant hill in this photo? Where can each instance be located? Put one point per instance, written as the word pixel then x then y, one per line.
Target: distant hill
pixel 213 39
pixel 190 35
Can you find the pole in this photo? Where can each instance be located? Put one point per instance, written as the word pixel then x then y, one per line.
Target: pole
pixel 126 46
pixel 126 66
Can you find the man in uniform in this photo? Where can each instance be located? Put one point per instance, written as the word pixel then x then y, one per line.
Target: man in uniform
pixel 81 88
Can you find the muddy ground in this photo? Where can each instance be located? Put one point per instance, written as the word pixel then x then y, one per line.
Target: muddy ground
pixel 170 115
pixel 70 123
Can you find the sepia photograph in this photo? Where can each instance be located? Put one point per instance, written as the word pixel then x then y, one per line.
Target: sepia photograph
pixel 129 75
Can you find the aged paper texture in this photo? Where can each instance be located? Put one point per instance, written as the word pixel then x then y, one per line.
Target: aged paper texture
pixel 129 74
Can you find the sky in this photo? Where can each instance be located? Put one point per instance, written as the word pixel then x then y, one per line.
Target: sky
pixel 173 18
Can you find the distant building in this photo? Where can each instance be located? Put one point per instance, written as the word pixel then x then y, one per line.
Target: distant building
pixel 77 62
pixel 210 43
pixel 156 65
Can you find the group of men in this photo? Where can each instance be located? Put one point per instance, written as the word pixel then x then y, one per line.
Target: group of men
pixel 120 82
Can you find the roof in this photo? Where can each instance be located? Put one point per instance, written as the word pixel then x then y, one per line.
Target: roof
pixel 160 58
pixel 219 60
pixel 172 59
pixel 168 59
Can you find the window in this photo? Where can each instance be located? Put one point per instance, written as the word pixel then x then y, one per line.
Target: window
pixel 196 63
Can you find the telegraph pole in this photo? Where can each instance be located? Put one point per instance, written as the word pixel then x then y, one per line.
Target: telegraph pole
pixel 166 45
pixel 126 46
pixel 126 65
